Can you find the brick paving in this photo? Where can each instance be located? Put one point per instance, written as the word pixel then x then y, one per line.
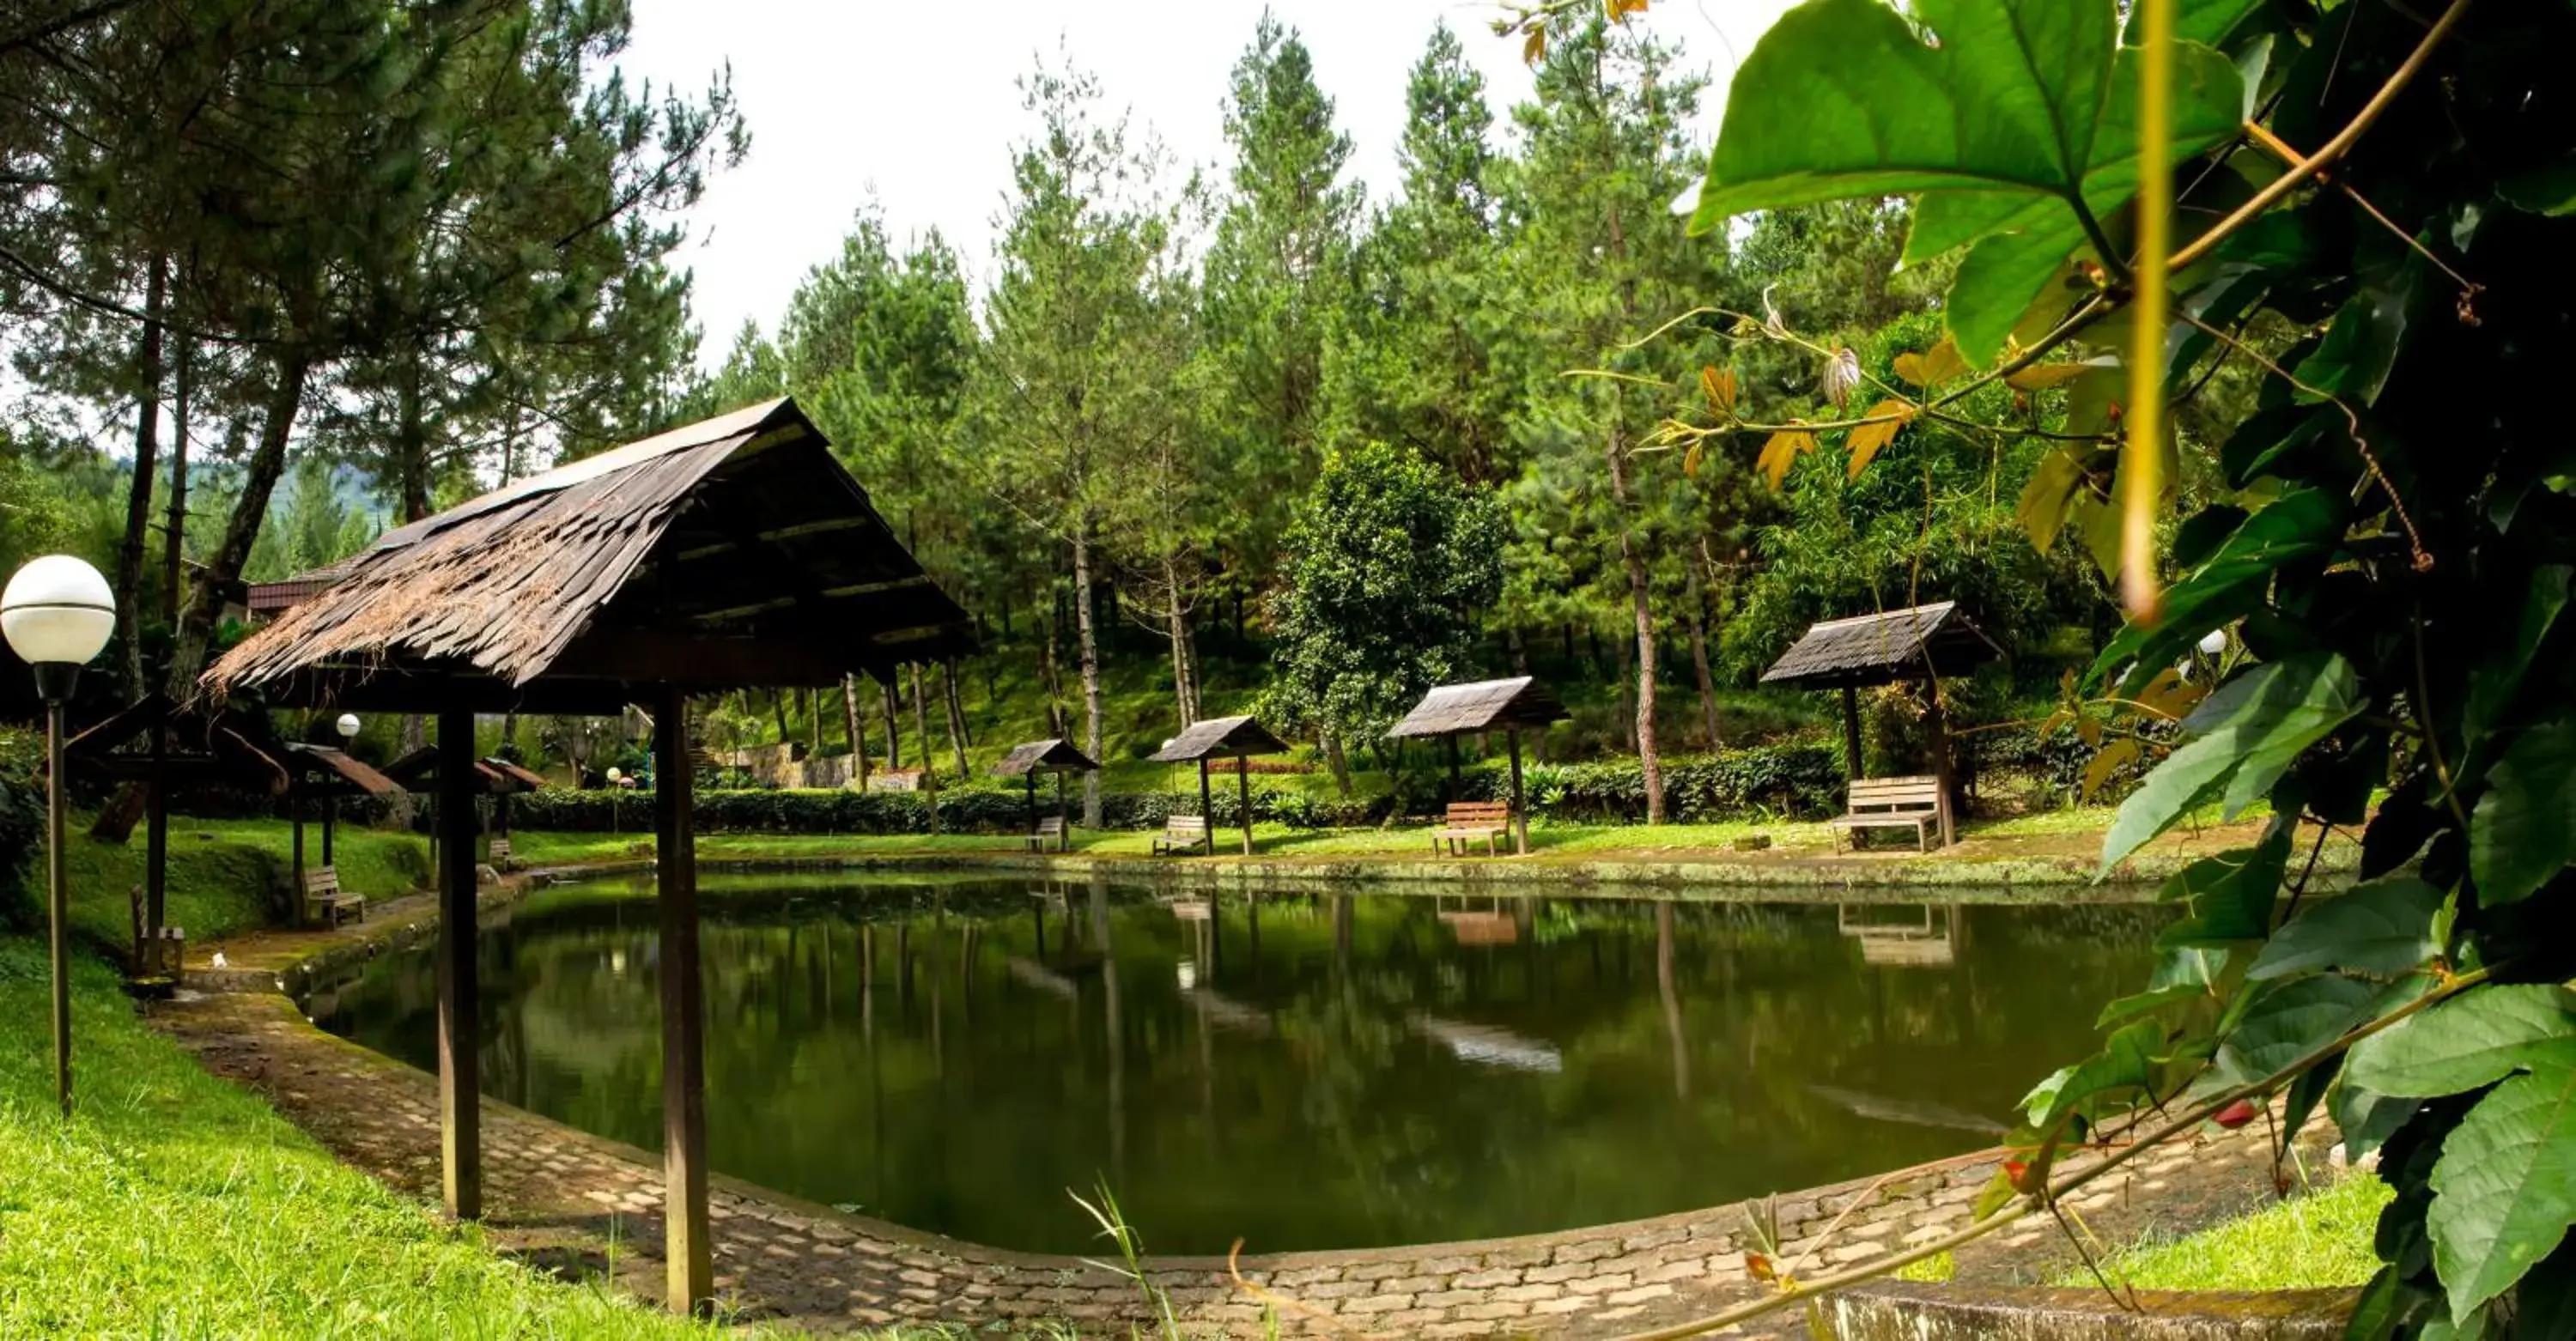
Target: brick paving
pixel 585 1206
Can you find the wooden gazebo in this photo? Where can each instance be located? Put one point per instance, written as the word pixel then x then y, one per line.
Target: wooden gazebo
pixel 1511 706
pixel 321 772
pixel 730 554
pixel 1919 642
pixel 151 742
pixel 1238 738
pixel 1031 758
pixel 494 777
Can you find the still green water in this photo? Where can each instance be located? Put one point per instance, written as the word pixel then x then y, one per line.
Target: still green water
pixel 1328 1070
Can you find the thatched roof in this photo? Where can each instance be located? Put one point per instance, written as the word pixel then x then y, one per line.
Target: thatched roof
pixel 1877 649
pixel 1219 738
pixel 332 770
pixel 1485 705
pixel 1044 756
pixel 731 553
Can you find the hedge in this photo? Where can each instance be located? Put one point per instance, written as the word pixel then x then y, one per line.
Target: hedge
pixel 1773 780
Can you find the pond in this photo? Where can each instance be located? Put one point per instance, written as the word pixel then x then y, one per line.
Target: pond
pixel 1324 1070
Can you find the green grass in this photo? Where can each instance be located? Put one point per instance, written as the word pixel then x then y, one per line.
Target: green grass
pixel 2320 1240
pixel 176 1205
pixel 221 872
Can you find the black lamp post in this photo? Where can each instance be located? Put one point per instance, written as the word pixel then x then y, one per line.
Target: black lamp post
pixel 57 614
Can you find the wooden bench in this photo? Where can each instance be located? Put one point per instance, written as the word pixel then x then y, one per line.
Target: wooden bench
pixel 1894 803
pixel 1051 828
pixel 326 902
pixel 1467 821
pixel 1183 832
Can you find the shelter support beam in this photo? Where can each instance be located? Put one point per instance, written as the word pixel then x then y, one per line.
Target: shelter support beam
pixel 1243 789
pixel 1851 734
pixel 688 1253
pixel 1942 772
pixel 1520 805
pixel 460 1135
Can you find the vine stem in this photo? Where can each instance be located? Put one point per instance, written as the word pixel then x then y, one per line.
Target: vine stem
pixel 2332 149
pixel 2005 1215
pixel 2142 462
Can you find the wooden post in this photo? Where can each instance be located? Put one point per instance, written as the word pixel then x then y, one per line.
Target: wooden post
pixel 1063 825
pixel 460 1136
pixel 156 841
pixel 1449 743
pixel 687 1253
pixel 1520 807
pixel 1207 803
pixel 1941 764
pixel 330 822
pixel 1851 734
pixel 1032 778
pixel 1243 789
pixel 295 863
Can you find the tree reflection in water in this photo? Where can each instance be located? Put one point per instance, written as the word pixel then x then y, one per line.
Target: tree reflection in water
pixel 1335 1069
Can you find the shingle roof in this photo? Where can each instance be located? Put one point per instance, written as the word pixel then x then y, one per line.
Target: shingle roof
pixel 338 769
pixel 1482 706
pixel 1877 649
pixel 1219 738
pixel 1044 756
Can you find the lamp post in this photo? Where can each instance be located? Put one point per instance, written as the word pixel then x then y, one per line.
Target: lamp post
pixel 615 775
pixel 56 614
pixel 347 726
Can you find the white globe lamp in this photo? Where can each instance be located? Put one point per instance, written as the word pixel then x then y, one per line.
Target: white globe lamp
pixel 57 615
pixel 347 726
pixel 2213 643
pixel 615 775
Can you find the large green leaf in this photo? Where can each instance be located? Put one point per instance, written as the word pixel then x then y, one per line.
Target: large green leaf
pixel 2126 1063
pixel 2473 1039
pixel 2494 679
pixel 2246 735
pixel 2504 1191
pixel 2385 926
pixel 2302 526
pixel 2287 1021
pixel 2524 829
pixel 2230 897
pixel 2022 111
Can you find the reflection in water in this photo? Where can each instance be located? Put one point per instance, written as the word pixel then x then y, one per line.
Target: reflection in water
pixel 1326 1070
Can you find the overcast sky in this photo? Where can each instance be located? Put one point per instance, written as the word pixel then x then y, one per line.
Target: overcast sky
pixel 916 103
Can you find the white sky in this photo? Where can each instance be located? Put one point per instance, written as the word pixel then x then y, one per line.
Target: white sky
pixel 916 103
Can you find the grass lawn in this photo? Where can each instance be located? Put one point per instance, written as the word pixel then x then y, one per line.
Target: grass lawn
pixel 2317 1241
pixel 221 870
pixel 176 1205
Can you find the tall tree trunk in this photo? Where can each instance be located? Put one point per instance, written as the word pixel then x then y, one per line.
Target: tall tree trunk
pixel 921 722
pixel 138 496
pixel 1516 649
pixel 778 710
pixel 1649 760
pixel 894 730
pixel 174 534
pixel 193 639
pixel 1699 662
pixel 956 716
pixel 1050 678
pixel 1177 631
pixel 1090 653
pixel 850 722
pixel 813 723
pixel 1337 761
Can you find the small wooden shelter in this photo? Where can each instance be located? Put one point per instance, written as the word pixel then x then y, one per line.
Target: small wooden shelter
pixel 158 745
pixel 730 554
pixel 1045 756
pixel 493 777
pixel 1920 642
pixel 1510 706
pixel 326 773
pixel 1239 738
